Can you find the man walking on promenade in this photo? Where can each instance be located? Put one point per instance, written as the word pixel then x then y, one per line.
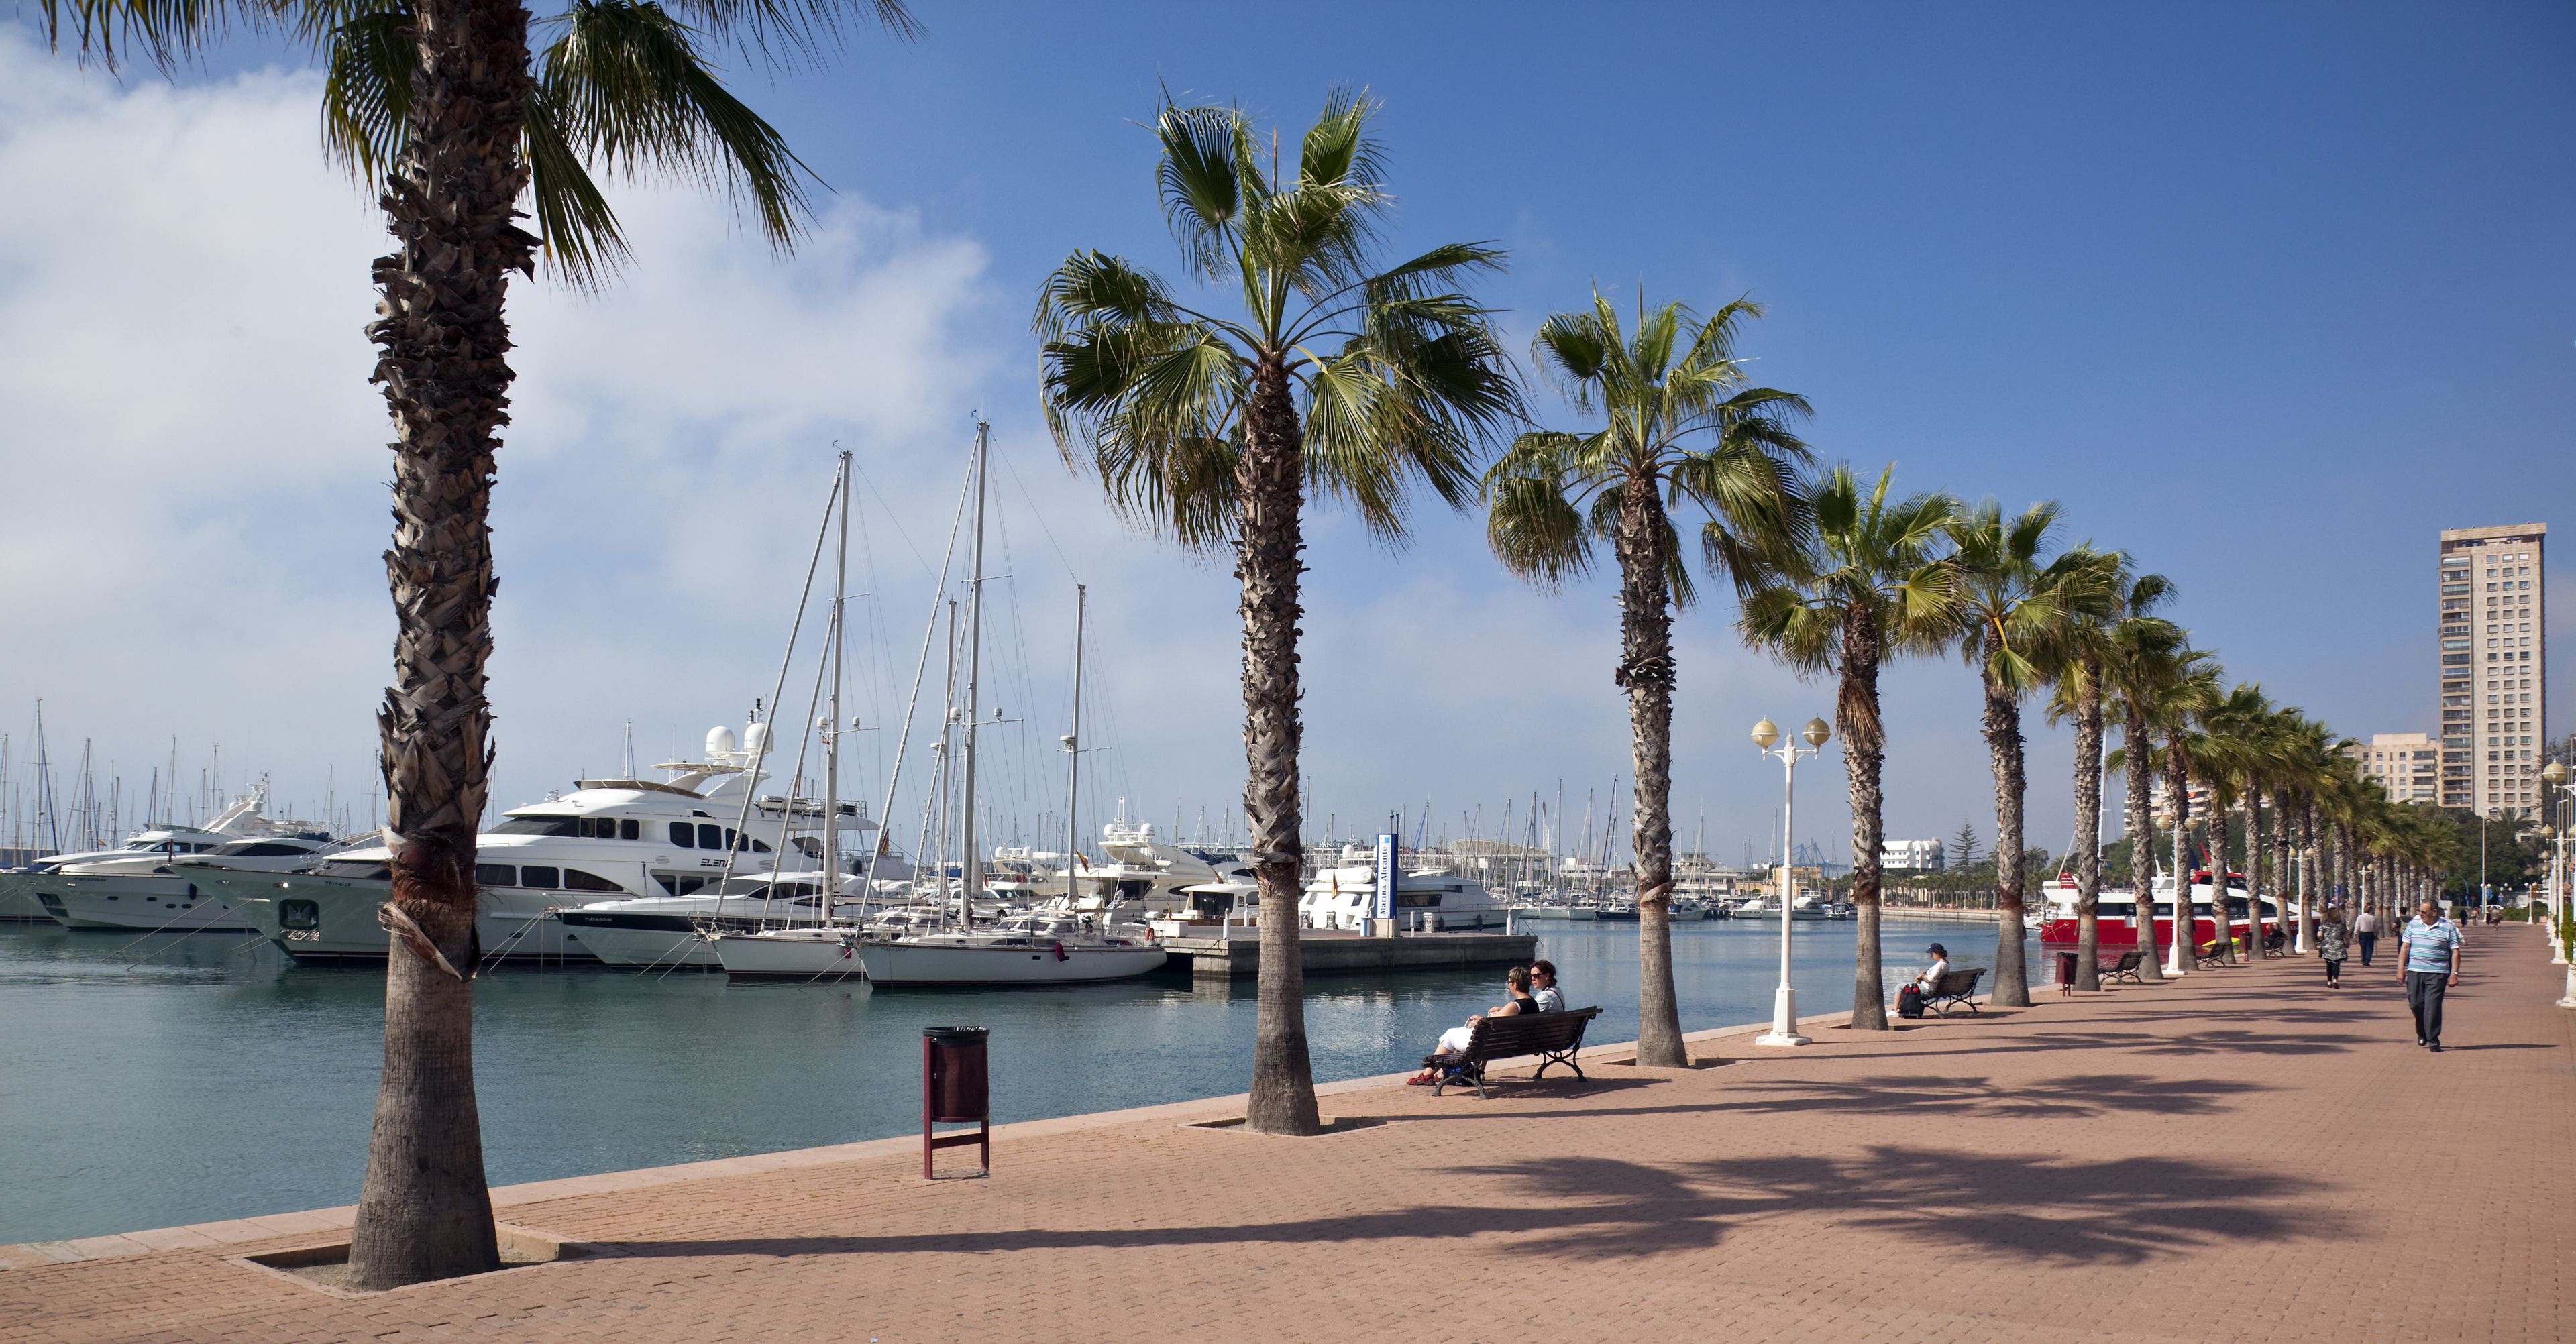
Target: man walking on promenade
pixel 2365 928
pixel 2428 957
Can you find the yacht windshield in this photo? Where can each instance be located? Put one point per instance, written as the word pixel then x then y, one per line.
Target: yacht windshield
pixel 539 826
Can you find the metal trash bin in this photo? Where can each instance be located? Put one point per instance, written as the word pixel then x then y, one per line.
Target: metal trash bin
pixel 2065 972
pixel 955 1089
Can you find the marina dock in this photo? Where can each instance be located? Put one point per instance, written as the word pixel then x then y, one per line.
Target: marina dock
pixel 1330 953
pixel 2039 1174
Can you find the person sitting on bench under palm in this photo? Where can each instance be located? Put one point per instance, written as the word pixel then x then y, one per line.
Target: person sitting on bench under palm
pixel 1453 1042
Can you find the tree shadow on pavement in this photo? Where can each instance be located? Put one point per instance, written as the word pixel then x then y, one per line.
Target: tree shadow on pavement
pixel 2074 1095
pixel 2026 1207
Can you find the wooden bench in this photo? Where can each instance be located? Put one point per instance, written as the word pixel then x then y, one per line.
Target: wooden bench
pixel 1554 1037
pixel 2209 954
pixel 2126 968
pixel 1953 990
pixel 2276 943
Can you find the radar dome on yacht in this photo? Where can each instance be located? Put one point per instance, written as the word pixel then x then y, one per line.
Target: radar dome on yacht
pixel 755 739
pixel 720 742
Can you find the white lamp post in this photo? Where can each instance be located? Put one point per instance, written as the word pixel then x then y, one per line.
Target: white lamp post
pixel 2555 776
pixel 1784 1005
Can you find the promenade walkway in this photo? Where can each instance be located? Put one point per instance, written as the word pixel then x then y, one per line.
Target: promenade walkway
pixel 2241 1156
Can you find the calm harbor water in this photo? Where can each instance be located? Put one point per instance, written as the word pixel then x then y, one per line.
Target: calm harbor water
pixel 188 1078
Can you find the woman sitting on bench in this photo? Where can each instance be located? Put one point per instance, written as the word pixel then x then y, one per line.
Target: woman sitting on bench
pixel 1516 983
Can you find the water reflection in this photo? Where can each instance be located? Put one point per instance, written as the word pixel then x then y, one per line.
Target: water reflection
pixel 194 1077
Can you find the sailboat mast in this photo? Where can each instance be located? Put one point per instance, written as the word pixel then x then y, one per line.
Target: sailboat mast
pixel 969 868
pixel 1073 753
pixel 832 717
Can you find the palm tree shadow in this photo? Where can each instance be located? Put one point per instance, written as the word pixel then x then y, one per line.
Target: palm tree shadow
pixel 2074 1096
pixel 2028 1206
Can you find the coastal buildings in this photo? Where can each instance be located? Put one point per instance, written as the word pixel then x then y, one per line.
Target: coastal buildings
pixel 2407 765
pixel 2494 669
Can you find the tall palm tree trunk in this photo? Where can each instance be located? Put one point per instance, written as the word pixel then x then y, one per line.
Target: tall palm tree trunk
pixel 2311 878
pixel 424 1211
pixel 2283 818
pixel 2215 827
pixel 2186 931
pixel 2088 827
pixel 2140 823
pixel 2004 744
pixel 1864 755
pixel 1270 474
pixel 1646 673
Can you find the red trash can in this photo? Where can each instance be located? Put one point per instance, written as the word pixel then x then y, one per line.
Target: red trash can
pixel 955 1089
pixel 2065 972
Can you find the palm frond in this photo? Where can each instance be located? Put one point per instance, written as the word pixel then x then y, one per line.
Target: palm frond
pixel 630 91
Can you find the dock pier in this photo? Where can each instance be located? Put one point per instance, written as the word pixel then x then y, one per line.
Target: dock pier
pixel 1329 953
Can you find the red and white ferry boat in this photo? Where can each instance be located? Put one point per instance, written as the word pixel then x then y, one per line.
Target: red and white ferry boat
pixel 2118 908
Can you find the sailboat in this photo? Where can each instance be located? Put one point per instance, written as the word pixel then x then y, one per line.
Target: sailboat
pixel 1048 948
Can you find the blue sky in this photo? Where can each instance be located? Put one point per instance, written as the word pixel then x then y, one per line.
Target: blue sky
pixel 2265 296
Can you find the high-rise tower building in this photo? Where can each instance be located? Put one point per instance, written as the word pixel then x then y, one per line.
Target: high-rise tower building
pixel 2495 699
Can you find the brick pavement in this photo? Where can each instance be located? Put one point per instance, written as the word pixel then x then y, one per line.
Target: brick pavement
pixel 2208 1160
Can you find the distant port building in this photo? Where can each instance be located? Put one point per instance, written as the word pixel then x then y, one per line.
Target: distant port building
pixel 2407 765
pixel 1910 856
pixel 2494 665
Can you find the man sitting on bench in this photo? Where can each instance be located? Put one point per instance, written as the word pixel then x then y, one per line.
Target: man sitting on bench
pixel 1909 1000
pixel 1516 984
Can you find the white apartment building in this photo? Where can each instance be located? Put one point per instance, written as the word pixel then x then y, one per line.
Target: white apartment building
pixel 2407 765
pixel 2495 680
pixel 1911 856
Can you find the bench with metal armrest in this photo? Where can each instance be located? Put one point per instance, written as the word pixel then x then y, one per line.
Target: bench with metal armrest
pixel 1954 990
pixel 1554 1037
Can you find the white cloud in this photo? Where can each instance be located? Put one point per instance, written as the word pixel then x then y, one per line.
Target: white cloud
pixel 193 464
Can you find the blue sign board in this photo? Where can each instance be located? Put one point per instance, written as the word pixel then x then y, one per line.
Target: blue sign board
pixel 1386 875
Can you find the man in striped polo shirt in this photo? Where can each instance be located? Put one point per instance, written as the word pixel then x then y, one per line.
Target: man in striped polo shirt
pixel 2428 958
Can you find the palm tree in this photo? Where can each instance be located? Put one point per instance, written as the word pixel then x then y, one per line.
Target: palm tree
pixel 2098 642
pixel 2194 688
pixel 2141 656
pixel 1682 429
pixel 1352 381
pixel 2014 624
pixel 2227 755
pixel 1873 583
pixel 446 108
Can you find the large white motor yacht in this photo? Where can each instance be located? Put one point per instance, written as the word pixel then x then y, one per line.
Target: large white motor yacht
pixel 1433 900
pixel 164 892
pixel 138 885
pixel 608 839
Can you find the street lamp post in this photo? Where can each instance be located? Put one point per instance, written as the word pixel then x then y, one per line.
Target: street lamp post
pixel 2555 776
pixel 1784 1005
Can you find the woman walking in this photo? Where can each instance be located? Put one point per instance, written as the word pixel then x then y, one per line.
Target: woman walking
pixel 2332 941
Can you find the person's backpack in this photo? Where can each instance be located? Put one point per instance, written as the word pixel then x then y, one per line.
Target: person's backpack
pixel 1909 1002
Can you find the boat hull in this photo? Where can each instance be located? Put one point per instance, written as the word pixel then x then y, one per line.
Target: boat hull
pixel 137 902
pixel 18 901
pixel 898 963
pixel 2118 936
pixel 797 954
pixel 325 919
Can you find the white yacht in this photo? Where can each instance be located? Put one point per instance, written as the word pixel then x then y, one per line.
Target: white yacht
pixel 1432 900
pixel 1803 907
pixel 1143 877
pixel 166 893
pixel 667 931
pixel 138 885
pixel 608 839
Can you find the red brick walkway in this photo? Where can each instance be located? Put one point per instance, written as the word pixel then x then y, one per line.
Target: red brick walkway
pixel 2214 1160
